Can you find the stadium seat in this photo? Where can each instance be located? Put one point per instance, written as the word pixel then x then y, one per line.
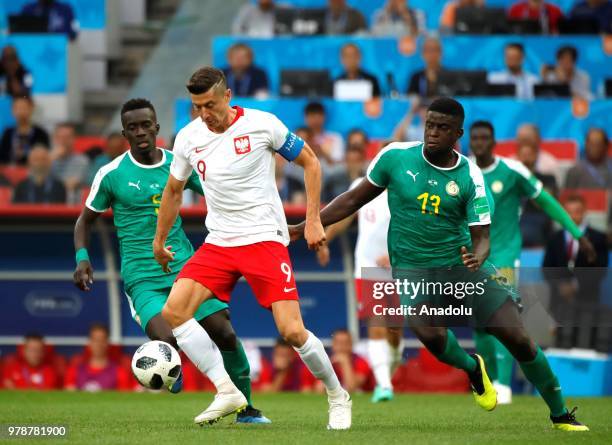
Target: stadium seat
pixel 15 174
pixel 84 143
pixel 562 149
pixel 56 361
pixel 5 196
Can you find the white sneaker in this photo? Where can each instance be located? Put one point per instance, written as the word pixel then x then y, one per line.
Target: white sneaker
pixel 504 393
pixel 223 405
pixel 340 413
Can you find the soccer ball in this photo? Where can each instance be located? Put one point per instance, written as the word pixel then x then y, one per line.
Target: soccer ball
pixel 156 364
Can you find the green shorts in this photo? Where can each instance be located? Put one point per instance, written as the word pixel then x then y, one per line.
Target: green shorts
pixel 472 295
pixel 145 303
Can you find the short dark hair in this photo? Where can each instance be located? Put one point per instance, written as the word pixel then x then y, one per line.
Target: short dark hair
pixel 350 45
pixel 516 45
pixel 98 326
pixel 137 103
pixel 575 197
pixel 341 331
pixel 600 131
pixel 240 45
pixel 358 131
pixel 483 124
pixel 448 106
pixel 314 107
pixel 567 49
pixel 204 79
pixel 66 124
pixel 33 336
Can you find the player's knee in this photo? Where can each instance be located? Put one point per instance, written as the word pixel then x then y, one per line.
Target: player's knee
pixel 294 334
pixel 172 317
pixel 434 339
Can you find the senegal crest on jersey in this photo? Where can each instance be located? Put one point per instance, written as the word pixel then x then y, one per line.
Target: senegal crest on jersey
pixel 452 188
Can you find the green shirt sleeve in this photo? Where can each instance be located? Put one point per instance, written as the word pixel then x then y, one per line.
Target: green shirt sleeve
pixel 378 170
pixel 526 182
pixel 193 183
pixel 478 211
pixel 100 194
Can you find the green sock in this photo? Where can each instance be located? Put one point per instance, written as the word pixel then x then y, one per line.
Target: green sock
pixel 505 363
pixel 538 372
pixel 455 355
pixel 485 346
pixel 237 366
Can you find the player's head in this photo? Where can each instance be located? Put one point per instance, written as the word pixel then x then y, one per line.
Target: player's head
pixel 33 349
pixel 210 97
pixel 443 124
pixel 482 138
pixel 140 126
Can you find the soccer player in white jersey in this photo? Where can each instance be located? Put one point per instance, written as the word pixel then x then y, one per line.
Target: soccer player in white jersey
pixel 233 150
pixel 384 339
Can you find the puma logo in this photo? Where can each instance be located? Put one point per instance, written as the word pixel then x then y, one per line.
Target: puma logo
pixel 414 175
pixel 137 185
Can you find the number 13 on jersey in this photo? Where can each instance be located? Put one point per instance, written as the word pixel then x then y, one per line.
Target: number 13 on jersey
pixel 434 201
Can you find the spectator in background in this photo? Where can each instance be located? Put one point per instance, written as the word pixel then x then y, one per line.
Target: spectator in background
pixel 29 370
pixel 328 145
pixel 599 11
pixel 115 146
pixel 17 141
pixel 339 177
pixel 595 171
pixel 575 281
pixel 40 187
pixel 448 18
pixel 412 126
pixel 97 372
pixel 545 163
pixel 71 168
pixel 255 19
pixel 546 13
pixel 514 57
pixel 15 79
pixel 396 19
pixel 342 19
pixel 59 15
pixel 424 83
pixel 566 72
pixel 350 57
pixel 244 78
pixel 285 373
pixel 353 371
pixel 536 225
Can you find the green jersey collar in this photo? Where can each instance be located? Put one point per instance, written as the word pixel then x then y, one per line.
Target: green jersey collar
pixel 441 168
pixel 159 164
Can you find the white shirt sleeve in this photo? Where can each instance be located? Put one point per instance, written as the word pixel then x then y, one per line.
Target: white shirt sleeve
pixel 278 133
pixel 180 167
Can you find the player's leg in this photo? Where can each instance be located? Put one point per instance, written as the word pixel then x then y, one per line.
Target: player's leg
pixel 395 339
pixel 507 326
pixel 379 353
pixel 443 344
pixel 216 321
pixel 184 300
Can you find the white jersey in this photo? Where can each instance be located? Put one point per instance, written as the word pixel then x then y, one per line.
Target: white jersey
pixel 373 221
pixel 237 168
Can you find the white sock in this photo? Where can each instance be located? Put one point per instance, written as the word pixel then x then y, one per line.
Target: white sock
pixel 195 342
pixel 380 361
pixel 317 361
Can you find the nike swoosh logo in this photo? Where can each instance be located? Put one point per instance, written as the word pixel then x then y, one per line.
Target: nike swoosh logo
pixel 200 149
pixel 289 290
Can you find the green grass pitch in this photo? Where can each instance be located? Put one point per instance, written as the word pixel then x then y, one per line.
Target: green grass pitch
pixel 128 418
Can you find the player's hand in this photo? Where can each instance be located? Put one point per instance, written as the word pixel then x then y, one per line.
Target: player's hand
pixel 383 261
pixel 163 255
pixel 296 231
pixel 470 260
pixel 83 275
pixel 323 255
pixel 587 247
pixel 314 234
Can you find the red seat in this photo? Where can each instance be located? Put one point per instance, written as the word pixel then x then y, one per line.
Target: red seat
pixel 14 173
pixel 596 199
pixel 5 196
pixel 84 143
pixel 562 149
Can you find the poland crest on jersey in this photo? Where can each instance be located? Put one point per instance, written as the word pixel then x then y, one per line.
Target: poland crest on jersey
pixel 242 145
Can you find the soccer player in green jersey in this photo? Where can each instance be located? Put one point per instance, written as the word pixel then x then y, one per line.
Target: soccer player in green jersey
pixel 132 185
pixel 510 183
pixel 439 231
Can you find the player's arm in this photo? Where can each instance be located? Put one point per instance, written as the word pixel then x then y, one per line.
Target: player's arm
pixel 332 232
pixel 83 274
pixel 481 246
pixel 193 183
pixel 556 212
pixel 343 206
pixel 172 199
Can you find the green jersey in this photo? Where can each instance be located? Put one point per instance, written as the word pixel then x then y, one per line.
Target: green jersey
pixel 431 207
pixel 134 192
pixel 510 183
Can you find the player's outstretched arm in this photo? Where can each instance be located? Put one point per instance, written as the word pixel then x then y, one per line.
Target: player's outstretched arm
pixel 83 274
pixel 168 212
pixel 313 229
pixel 480 248
pixel 342 206
pixel 332 232
pixel 553 208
